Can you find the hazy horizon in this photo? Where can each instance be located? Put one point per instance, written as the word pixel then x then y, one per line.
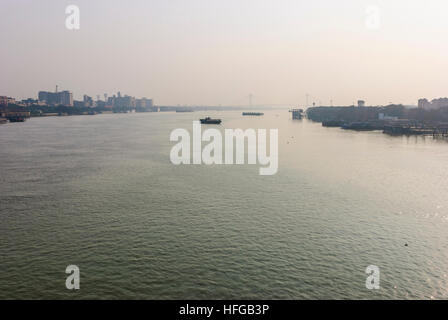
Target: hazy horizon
pixel 210 52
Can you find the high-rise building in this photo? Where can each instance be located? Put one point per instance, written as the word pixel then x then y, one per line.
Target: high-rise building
pixel 435 104
pixel 143 103
pixel 124 102
pixel 423 104
pixel 88 101
pixel 4 100
pixel 43 96
pixel 64 98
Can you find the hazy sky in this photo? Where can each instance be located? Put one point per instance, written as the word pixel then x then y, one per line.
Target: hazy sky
pixel 211 52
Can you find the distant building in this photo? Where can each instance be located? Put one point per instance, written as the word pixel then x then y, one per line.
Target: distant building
pixel 3 100
pixel 440 103
pixel 435 104
pixel 78 104
pixel 44 97
pixel 100 104
pixel 424 104
pixel 30 102
pixel 88 101
pixel 126 102
pixel 361 103
pixel 143 103
pixel 64 98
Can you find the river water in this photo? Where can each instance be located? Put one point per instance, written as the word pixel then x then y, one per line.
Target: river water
pixel 101 193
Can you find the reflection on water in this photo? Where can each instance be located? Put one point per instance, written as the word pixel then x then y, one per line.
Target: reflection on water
pixel 100 192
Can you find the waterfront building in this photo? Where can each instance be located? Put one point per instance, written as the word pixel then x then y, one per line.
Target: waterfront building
pixel 88 101
pixel 30 102
pixel 435 104
pixel 126 102
pixel 143 103
pixel 3 100
pixel 78 104
pixel 100 104
pixel 424 104
pixel 64 98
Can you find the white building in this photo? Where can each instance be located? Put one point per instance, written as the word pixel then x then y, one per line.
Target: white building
pixel 435 104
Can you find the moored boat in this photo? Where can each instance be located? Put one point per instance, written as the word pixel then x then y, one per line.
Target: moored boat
pixel 16 119
pixel 209 120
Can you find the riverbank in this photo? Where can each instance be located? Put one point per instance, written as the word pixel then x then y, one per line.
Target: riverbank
pixel 392 120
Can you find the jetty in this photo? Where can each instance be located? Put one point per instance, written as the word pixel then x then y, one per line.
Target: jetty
pixel 436 130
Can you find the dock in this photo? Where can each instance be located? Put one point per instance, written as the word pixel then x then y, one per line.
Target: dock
pixel 436 130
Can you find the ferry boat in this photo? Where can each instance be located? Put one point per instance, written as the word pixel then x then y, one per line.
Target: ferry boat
pixel 16 118
pixel 209 120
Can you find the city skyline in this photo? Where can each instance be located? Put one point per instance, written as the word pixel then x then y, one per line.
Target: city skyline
pixel 66 98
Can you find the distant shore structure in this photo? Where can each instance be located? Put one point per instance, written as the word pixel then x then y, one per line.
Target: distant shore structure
pixel 184 109
pixel 253 114
pixel 434 104
pixel 297 114
pixel 63 98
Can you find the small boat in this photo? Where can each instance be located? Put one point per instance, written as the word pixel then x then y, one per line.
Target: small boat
pixel 17 119
pixel 3 120
pixel 209 120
